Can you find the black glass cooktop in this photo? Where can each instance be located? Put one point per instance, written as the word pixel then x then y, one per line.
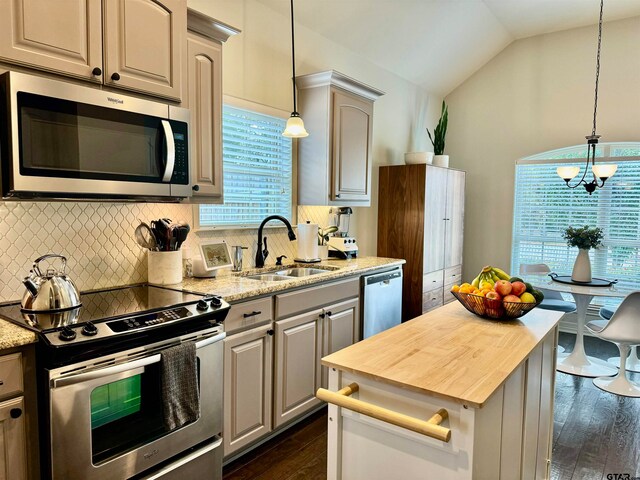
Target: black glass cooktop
pixel 102 305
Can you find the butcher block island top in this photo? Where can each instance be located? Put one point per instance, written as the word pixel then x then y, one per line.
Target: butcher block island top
pixel 448 352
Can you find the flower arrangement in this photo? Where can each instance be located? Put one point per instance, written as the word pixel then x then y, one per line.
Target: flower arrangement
pixel 584 238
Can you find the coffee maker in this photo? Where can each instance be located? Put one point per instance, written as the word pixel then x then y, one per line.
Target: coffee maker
pixel 341 245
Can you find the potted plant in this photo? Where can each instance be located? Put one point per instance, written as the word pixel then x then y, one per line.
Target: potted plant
pixel 584 238
pixel 440 159
pixel 323 241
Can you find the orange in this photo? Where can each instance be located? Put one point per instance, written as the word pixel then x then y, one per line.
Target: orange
pixel 466 288
pixel 455 288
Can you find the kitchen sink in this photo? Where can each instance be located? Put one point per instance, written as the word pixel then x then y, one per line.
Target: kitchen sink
pixel 287 274
pixel 300 272
pixel 266 277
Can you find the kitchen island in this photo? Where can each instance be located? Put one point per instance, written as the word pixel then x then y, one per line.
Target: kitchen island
pixel 446 395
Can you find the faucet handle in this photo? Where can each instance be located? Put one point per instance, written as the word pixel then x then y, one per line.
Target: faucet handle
pixel 279 259
pixel 265 252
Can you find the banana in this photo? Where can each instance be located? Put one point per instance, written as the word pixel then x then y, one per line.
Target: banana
pixel 486 278
pixel 502 275
pixel 494 276
pixel 476 282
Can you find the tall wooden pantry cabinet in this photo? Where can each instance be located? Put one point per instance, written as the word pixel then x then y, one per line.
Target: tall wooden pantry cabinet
pixel 421 219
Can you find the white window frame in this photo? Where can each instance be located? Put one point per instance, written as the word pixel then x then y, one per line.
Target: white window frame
pixel 274 112
pixel 548 158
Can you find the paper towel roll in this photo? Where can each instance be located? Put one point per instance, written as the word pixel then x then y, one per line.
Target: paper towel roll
pixel 307 242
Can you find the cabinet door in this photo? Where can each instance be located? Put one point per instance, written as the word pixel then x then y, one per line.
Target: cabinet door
pixel 247 387
pixel 143 44
pixel 341 328
pixel 351 152
pixel 434 222
pixel 60 36
pixel 13 458
pixel 454 223
pixel 205 102
pixel 297 369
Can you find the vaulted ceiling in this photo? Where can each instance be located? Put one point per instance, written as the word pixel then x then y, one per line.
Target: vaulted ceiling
pixel 439 43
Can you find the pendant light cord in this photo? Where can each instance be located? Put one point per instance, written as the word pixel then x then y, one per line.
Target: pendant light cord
pixel 595 105
pixel 293 61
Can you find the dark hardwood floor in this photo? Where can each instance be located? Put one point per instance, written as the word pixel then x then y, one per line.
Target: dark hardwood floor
pixel 595 434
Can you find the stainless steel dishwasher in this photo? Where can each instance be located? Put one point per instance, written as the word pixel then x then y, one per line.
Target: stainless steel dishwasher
pixel 382 301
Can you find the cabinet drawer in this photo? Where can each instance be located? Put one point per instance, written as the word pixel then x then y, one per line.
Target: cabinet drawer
pixel 248 314
pixel 453 275
pixel 431 300
pixel 314 297
pixel 433 280
pixel 448 296
pixel 11 375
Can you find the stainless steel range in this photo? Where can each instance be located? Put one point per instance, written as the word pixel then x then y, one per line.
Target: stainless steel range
pixel 100 380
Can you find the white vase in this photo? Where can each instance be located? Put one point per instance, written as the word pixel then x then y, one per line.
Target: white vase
pixel 582 267
pixel 441 160
pixel 415 158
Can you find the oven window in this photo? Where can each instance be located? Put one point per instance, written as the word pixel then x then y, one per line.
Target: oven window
pixel 127 414
pixel 59 138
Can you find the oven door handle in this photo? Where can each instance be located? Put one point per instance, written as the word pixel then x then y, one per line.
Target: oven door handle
pixel 124 367
pixel 170 159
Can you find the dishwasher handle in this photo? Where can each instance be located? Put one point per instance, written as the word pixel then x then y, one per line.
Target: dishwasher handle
pixel 383 277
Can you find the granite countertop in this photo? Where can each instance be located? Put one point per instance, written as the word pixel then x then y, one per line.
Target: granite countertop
pixel 14 336
pixel 234 287
pixel 448 353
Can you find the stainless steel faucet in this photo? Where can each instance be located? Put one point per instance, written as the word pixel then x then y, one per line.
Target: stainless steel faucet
pixel 261 255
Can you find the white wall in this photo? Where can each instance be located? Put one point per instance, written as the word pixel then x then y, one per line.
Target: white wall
pixel 257 67
pixel 536 95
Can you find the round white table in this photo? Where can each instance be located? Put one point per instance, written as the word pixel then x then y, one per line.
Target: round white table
pixel 578 362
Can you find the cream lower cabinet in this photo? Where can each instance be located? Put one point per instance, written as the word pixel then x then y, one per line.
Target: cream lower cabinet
pixel 341 328
pixel 297 368
pixel 13 457
pixel 247 387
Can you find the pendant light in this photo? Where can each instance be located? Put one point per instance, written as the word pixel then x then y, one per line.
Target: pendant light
pixel 601 173
pixel 295 125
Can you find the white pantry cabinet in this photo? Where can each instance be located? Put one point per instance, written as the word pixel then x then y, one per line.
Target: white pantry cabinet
pixel 335 160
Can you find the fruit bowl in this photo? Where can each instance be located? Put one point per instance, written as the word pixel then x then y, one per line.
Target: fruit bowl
pixel 494 309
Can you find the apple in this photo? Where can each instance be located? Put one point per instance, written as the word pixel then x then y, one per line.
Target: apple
pixel 518 288
pixel 493 304
pixel 502 287
pixel 512 299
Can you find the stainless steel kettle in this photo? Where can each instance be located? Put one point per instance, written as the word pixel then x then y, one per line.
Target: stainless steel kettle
pixel 51 291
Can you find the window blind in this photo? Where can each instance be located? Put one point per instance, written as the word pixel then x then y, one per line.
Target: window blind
pixel 544 207
pixel 257 170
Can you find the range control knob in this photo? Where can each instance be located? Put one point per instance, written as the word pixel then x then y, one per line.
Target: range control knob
pixel 216 302
pixel 66 334
pixel 89 329
pixel 202 305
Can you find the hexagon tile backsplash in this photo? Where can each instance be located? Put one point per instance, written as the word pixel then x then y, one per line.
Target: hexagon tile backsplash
pixel 99 243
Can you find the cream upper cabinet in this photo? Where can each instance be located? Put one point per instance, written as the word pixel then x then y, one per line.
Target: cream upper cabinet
pixel 335 161
pixel 351 155
pixel 63 36
pixel 203 96
pixel 130 44
pixel 143 45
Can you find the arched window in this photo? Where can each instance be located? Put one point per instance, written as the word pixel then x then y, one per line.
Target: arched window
pixel 544 207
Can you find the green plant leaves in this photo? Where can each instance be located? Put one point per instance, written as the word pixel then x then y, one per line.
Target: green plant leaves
pixel 583 237
pixel 437 140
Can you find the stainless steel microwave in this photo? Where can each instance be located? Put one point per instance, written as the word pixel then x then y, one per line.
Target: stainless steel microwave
pixel 63 140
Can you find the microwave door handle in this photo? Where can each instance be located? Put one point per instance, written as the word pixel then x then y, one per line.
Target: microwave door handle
pixel 170 159
pixel 126 366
